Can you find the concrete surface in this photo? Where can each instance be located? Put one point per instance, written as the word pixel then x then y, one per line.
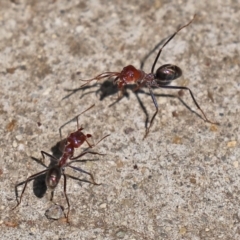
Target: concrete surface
pixel 183 181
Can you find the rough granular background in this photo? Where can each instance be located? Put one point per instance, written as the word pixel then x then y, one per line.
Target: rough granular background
pixel 182 182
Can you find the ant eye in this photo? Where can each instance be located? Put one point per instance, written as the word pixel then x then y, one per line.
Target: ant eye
pixel 167 73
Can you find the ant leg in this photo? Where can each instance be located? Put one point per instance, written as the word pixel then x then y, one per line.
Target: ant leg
pixel 194 100
pixel 102 139
pixel 78 179
pixel 88 81
pixel 98 141
pixel 82 154
pixel 39 162
pixel 138 87
pixel 120 88
pixel 75 159
pixel 82 113
pixel 76 117
pixel 154 115
pixel 65 184
pixel 89 144
pixel 120 97
pixel 49 155
pixel 97 78
pixel 65 193
pixel 25 185
pixel 52 195
pixel 121 92
pixel 160 50
pixel 88 173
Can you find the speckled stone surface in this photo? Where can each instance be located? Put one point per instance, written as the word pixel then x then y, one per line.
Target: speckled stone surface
pixel 182 182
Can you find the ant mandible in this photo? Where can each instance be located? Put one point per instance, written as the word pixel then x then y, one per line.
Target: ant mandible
pixel 161 78
pixel 57 166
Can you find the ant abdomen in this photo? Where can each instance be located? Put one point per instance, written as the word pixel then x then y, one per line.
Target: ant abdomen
pixel 167 73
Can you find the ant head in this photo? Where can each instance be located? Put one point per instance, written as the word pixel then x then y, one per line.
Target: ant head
pixel 53 176
pixel 167 73
pixel 76 139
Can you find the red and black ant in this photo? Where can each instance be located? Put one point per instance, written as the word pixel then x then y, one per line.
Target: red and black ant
pixel 57 166
pixel 161 78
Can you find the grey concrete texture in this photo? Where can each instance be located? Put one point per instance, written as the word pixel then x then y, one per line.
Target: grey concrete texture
pixel 182 181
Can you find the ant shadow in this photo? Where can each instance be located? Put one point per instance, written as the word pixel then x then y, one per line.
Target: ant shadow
pixel 106 89
pixel 39 185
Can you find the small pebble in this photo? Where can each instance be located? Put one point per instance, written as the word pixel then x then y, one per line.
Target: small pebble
pixel 231 144
pixel 235 164
pixel 15 144
pixel 182 230
pixel 120 234
pixel 103 205
pixel 55 212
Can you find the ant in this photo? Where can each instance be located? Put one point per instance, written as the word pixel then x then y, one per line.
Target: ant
pixel 161 78
pixel 57 166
